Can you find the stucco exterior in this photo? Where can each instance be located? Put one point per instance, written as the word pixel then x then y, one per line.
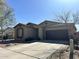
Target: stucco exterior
pixel 40 30
pixel 40 33
pixel 77 35
pixel 46 26
pixel 28 32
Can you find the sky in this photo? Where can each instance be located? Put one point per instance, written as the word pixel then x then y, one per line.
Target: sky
pixel 36 11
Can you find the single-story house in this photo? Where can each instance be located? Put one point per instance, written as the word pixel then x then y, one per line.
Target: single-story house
pixel 47 30
pixel 9 32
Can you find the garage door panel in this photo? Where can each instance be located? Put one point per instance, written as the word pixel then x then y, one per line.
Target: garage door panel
pixel 57 35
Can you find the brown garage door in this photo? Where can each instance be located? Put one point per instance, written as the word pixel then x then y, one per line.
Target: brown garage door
pixel 57 35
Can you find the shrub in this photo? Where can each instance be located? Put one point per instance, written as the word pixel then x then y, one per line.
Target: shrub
pixel 29 39
pixel 5 37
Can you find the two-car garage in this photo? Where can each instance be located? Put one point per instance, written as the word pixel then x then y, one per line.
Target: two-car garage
pixel 57 35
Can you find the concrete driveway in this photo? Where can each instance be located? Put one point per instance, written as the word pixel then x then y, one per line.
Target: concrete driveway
pixel 36 50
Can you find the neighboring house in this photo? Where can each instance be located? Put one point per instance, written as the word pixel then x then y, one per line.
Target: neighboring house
pixel 9 32
pixel 47 30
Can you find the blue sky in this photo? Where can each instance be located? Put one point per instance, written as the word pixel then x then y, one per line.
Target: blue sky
pixel 37 11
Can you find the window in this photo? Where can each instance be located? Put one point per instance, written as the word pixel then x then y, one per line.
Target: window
pixel 20 32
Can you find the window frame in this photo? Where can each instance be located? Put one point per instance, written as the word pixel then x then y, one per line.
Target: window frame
pixel 22 33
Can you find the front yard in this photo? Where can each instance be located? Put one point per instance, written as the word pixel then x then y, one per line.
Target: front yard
pixel 35 50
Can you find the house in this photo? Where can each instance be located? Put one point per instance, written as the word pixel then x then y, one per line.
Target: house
pixel 56 31
pixel 9 32
pixel 47 30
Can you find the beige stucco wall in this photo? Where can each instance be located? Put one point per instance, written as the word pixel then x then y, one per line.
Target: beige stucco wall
pixel 43 27
pixel 40 33
pixel 15 32
pixel 28 32
pixel 72 30
pixel 69 27
pixel 77 35
pixel 46 24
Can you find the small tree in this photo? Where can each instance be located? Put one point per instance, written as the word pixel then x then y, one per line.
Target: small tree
pixel 68 17
pixel 75 18
pixel 64 17
pixel 7 17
